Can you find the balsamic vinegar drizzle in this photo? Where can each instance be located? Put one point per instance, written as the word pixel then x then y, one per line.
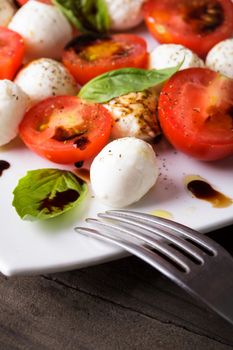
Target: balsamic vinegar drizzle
pixel 203 16
pixel 82 41
pixel 201 189
pixel 3 166
pixel 60 200
pixel 83 174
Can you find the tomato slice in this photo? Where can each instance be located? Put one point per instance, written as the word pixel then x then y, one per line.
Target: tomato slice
pixel 11 53
pixel 196 24
pixel 23 2
pixel 66 129
pixel 196 113
pixel 90 55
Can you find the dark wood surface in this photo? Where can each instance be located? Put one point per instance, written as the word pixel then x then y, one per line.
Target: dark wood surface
pixel 124 304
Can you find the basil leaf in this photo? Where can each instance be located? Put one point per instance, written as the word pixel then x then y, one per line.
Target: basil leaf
pixel 71 10
pixel 46 193
pixel 86 15
pixel 123 81
pixel 96 13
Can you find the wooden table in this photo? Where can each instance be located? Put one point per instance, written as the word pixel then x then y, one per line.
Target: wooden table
pixel 120 305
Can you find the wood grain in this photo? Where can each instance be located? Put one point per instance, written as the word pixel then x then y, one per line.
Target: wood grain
pixel 120 305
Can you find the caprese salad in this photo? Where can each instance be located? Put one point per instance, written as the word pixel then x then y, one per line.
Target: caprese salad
pixel 77 86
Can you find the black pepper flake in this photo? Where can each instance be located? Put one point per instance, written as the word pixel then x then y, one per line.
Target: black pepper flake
pixel 79 164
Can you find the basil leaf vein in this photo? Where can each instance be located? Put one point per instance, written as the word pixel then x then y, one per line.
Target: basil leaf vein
pixel 123 81
pixel 86 15
pixel 46 193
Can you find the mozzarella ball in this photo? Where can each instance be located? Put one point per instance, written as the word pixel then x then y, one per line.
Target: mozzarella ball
pixel 134 115
pixel 13 105
pixel 220 58
pixel 169 55
pixel 7 11
pixel 124 14
pixel 123 172
pixel 44 78
pixel 44 29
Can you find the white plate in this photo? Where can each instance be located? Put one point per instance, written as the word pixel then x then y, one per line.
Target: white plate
pixel 38 247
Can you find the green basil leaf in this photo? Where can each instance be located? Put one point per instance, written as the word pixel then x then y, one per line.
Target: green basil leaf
pixel 46 193
pixel 123 81
pixel 72 11
pixel 86 15
pixel 96 13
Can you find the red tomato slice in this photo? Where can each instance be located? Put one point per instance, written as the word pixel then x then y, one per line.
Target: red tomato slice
pixel 66 129
pixel 23 2
pixel 88 56
pixel 196 113
pixel 11 53
pixel 196 24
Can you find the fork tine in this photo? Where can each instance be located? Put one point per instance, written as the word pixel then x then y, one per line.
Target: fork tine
pixel 158 231
pixel 217 271
pixel 160 246
pixel 204 241
pixel 140 251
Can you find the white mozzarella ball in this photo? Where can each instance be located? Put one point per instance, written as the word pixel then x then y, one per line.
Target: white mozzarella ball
pixel 123 172
pixel 13 105
pixel 44 29
pixel 134 115
pixel 124 14
pixel 44 78
pixel 220 58
pixel 7 11
pixel 169 55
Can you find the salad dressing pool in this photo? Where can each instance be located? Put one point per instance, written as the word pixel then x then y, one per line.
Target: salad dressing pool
pixel 3 166
pixel 201 189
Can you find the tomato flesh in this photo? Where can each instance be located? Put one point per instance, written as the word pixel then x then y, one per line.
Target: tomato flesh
pixel 11 53
pixel 196 24
pixel 88 56
pixel 196 113
pixel 66 129
pixel 23 2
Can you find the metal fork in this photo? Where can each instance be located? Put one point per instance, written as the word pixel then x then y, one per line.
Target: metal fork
pixel 193 261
